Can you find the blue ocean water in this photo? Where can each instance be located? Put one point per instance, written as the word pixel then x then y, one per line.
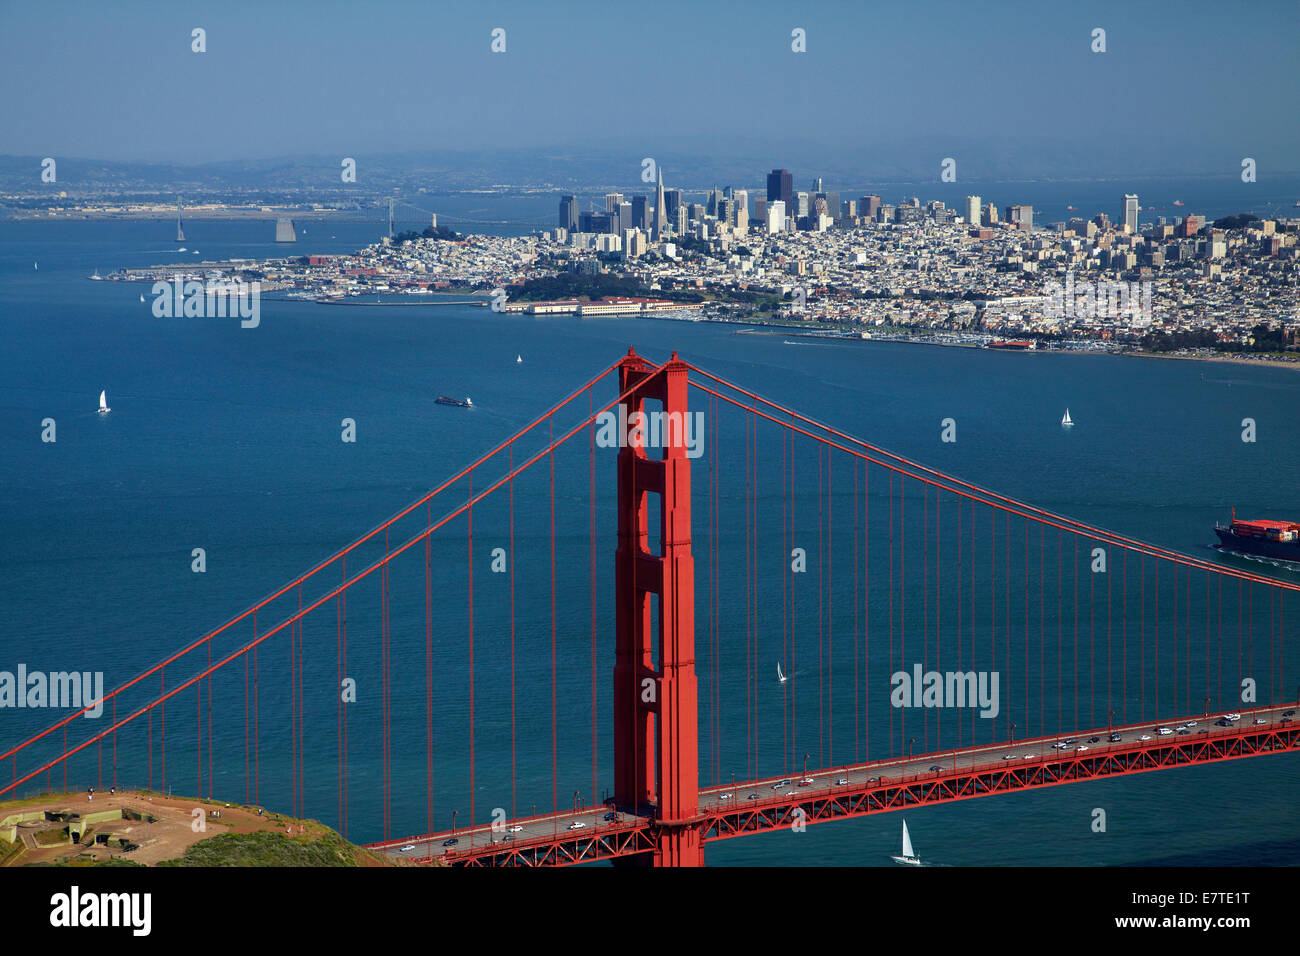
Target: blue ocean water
pixel 228 439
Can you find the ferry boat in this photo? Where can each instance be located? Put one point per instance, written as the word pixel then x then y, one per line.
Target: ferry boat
pixel 1262 537
pixel 448 400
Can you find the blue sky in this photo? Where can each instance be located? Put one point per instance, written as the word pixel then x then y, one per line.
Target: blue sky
pixel 119 81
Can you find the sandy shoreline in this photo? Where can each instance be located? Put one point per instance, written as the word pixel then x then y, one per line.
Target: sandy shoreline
pixel 1231 360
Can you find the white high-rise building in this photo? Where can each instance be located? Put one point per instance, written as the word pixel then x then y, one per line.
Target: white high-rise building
pixel 775 217
pixel 741 221
pixel 973 210
pixel 661 209
pixel 1130 214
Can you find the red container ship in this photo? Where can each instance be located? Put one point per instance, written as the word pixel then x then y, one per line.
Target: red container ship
pixel 1263 537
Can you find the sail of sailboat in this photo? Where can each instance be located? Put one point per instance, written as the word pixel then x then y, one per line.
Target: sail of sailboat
pixel 103 402
pixel 909 857
pixel 779 676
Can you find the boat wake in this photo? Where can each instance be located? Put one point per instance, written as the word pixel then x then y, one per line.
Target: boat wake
pixel 1280 564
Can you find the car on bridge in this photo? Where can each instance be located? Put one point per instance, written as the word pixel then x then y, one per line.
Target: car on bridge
pixel 577 825
pixel 451 841
pixel 780 784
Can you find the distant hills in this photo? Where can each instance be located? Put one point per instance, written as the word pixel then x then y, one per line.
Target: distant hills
pixel 691 166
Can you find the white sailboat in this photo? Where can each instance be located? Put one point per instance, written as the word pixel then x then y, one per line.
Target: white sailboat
pixel 1066 420
pixel 780 678
pixel 141 296
pixel 36 266
pixel 103 403
pixel 518 359
pixel 908 858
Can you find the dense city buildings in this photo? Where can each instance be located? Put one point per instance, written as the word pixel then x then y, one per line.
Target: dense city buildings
pixel 863 267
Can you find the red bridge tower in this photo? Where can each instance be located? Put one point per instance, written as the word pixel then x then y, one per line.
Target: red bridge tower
pixel 656 718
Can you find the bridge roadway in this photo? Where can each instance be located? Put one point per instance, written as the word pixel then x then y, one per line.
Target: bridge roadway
pixel 772 800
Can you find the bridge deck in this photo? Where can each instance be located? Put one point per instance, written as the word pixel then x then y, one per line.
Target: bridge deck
pixel 859 789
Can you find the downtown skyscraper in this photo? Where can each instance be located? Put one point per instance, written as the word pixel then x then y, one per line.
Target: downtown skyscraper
pixel 1131 213
pixel 661 210
pixel 780 187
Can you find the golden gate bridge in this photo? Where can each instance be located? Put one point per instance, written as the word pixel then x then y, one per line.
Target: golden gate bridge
pixel 473 656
